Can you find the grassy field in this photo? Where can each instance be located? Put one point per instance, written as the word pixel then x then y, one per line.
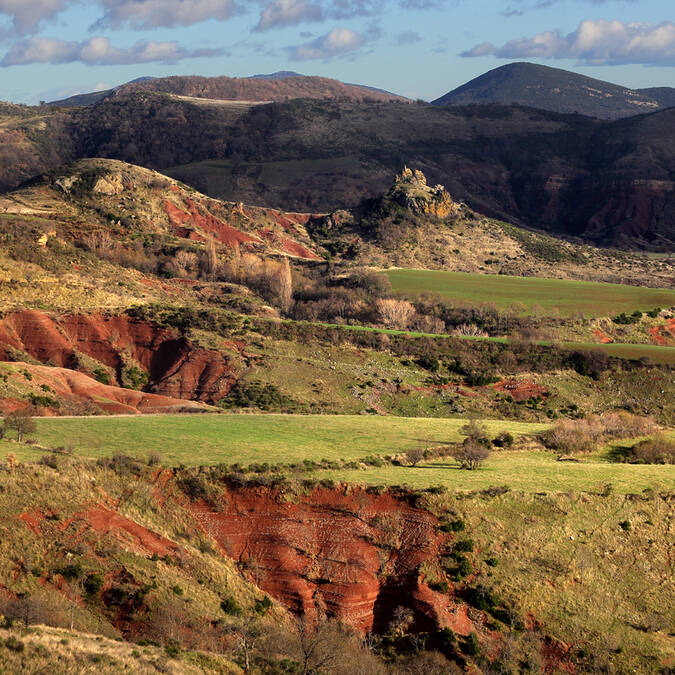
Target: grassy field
pixel 528 471
pixel 567 297
pixel 215 439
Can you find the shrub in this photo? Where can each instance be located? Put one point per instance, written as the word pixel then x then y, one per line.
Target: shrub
pixel 453 526
pixel 657 450
pixel 93 584
pixel 590 363
pixel 154 458
pixel 262 606
pixel 258 395
pixel 472 645
pixel 464 545
pixel 503 440
pixel 584 435
pixel 194 487
pixel 415 456
pixel 13 644
pixel 230 606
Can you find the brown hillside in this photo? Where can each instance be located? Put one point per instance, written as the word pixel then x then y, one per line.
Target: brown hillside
pixel 253 89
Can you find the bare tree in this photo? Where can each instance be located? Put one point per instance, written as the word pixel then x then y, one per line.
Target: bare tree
pixel 401 619
pixel 285 285
pixel 395 313
pixel 210 263
pixel 415 456
pixel 471 454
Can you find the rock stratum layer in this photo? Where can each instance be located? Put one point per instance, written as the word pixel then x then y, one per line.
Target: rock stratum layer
pixel 350 553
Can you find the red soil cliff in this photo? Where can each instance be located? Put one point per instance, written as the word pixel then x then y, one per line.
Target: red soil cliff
pixel 347 553
pixel 176 368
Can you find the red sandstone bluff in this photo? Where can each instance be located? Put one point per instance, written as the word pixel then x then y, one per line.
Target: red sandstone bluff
pixel 347 552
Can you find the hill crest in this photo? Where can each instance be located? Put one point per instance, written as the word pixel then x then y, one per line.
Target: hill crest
pixel 558 90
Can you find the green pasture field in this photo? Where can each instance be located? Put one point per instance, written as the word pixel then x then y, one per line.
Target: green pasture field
pixel 567 297
pixel 196 440
pixel 527 471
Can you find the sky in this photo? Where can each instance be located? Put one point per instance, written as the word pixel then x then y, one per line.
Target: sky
pixel 51 49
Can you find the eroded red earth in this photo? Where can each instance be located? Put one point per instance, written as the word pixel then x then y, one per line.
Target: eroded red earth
pixel 176 368
pixel 347 553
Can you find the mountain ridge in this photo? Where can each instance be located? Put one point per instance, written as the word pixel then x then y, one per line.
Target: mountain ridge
pixel 280 86
pixel 557 90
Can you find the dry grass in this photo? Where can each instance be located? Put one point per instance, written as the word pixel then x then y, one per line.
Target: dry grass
pixel 57 650
pixel 594 570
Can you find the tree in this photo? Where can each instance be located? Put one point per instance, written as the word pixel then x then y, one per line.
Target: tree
pixel 20 421
pixel 401 620
pixel 285 285
pixel 415 456
pixel 210 263
pixel 471 454
pixel 395 313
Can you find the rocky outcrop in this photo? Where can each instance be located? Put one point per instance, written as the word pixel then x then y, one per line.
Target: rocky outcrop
pixel 411 191
pixel 170 363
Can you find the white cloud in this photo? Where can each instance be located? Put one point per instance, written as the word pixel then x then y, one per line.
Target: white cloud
pixel 144 14
pixel 600 42
pixel 26 15
pixel 97 51
pixel 338 42
pixel 287 12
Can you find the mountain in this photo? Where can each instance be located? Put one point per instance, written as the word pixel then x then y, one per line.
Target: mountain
pixel 280 86
pixel 608 182
pixel 558 90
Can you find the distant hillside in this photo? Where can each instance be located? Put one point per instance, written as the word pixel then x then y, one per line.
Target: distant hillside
pixel 559 91
pixel 610 183
pixel 281 86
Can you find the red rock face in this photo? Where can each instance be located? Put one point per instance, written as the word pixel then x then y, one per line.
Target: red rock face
pixel 348 554
pixel 177 368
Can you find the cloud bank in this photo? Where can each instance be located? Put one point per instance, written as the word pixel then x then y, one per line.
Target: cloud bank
pixel 600 42
pixel 147 14
pixel 97 51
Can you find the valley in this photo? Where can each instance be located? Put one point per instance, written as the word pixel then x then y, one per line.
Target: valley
pixel 305 377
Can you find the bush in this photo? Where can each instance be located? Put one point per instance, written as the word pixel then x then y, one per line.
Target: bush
pixel 22 422
pixel 453 526
pixel 194 487
pixel 258 395
pixel 262 606
pixel 584 435
pixel 472 645
pixel 590 363
pixel 13 644
pixel 93 584
pixel 657 450
pixel 230 606
pixel 503 440
pixel 464 545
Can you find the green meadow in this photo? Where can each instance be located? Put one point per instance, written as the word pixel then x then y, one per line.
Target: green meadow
pixel 214 439
pixel 551 295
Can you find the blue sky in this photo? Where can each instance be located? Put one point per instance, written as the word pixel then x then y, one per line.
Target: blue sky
pixel 419 48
